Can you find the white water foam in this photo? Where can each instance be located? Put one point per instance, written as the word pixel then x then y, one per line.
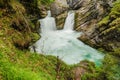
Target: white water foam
pixel 64 43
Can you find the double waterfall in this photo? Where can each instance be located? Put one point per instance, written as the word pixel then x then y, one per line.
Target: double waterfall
pixel 64 43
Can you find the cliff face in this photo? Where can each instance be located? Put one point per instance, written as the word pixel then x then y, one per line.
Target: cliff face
pixel 89 19
pixel 87 11
pixel 106 32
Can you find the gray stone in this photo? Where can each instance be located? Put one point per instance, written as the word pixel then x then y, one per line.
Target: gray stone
pixel 58 7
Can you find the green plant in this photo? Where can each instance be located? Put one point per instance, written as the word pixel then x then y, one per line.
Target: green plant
pixel 46 1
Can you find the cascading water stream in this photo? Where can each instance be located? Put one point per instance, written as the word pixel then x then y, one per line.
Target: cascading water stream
pixel 47 21
pixel 69 22
pixel 64 43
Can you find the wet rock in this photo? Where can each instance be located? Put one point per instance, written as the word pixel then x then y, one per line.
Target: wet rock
pixel 58 7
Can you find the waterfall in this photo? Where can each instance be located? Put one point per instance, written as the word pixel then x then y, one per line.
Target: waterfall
pixel 64 43
pixel 48 23
pixel 69 22
pixel 49 13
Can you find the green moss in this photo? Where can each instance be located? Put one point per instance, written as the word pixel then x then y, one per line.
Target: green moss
pixel 27 66
pixel 22 65
pixel 14 73
pixel 1 13
pixel 119 29
pixel 104 21
pixel 4 3
pixel 108 30
pixel 115 11
pixel 111 67
pixel 115 22
pixel 34 37
pixel 109 71
pixel 92 72
pixel 116 52
pixel 46 1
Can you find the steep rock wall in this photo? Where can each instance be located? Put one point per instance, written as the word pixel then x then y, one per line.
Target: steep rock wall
pixel 89 13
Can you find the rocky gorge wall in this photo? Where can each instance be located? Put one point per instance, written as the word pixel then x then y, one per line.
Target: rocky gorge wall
pixel 89 17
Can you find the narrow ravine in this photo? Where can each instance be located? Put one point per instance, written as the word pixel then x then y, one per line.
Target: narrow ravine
pixel 64 43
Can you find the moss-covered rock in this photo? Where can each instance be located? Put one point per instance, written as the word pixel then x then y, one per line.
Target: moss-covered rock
pixel 106 32
pixel 108 28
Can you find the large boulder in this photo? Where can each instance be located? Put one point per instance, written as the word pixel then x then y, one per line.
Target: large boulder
pixel 58 7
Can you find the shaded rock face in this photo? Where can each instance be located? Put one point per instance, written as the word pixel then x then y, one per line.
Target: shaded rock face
pixel 75 4
pixel 89 13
